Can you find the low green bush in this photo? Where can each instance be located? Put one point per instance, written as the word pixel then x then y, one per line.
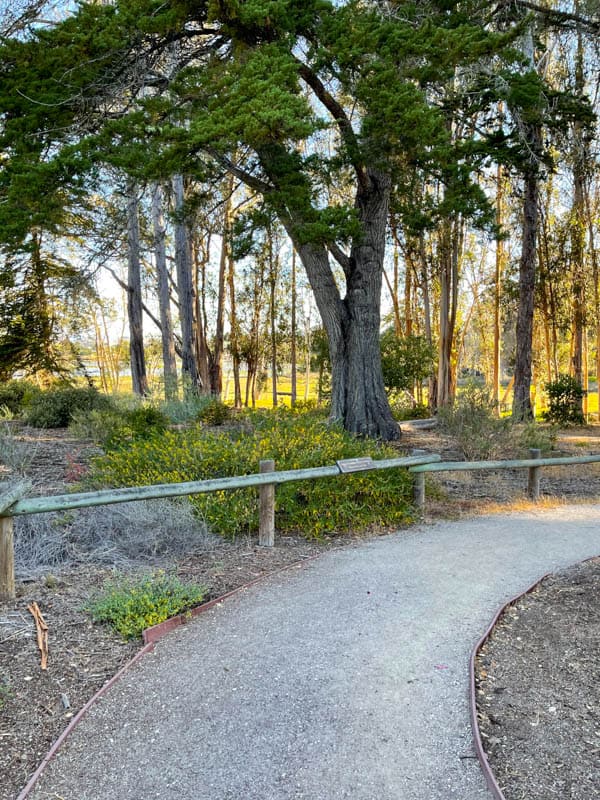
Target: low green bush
pixel 533 435
pixel 564 401
pixel 55 408
pixel 214 412
pixel 130 605
pixel 403 410
pixel 115 427
pixel 479 433
pixel 14 395
pixel 314 508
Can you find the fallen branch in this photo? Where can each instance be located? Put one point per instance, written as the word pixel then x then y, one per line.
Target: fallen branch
pixel 42 633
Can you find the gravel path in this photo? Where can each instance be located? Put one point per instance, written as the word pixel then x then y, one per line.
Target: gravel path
pixel 344 679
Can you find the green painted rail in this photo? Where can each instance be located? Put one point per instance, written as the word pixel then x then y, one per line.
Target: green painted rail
pixel 64 502
pixel 460 466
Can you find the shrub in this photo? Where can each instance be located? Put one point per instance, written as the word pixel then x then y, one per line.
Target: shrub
pixel 472 421
pixel 130 605
pixel 55 408
pixel 114 428
pixel 214 412
pixel 316 507
pixel 564 401
pixel 533 435
pixel 14 395
pixel 403 410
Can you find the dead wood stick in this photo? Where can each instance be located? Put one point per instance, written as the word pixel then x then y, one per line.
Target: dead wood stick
pixel 42 633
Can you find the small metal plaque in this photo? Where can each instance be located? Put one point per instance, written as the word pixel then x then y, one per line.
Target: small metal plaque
pixel 356 464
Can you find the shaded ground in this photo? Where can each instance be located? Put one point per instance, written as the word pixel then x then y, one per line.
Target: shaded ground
pixel 36 705
pixel 538 695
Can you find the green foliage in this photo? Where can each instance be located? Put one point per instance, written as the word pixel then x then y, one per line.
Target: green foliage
pixel 55 408
pixel 215 412
pixel 533 435
pixel 564 401
pixel 405 410
pixel 472 421
pixel 295 441
pixel 405 360
pixel 130 605
pixel 114 427
pixel 5 693
pixel 14 395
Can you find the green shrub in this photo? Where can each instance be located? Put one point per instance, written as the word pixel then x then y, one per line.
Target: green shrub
pixel 214 412
pixel 14 395
pixel 130 605
pixel 114 428
pixel 55 408
pixel 403 410
pixel 472 421
pixel 564 401
pixel 315 508
pixel 533 435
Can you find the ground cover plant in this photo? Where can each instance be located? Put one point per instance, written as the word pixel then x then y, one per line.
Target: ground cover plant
pixel 294 441
pixel 55 408
pixel 132 604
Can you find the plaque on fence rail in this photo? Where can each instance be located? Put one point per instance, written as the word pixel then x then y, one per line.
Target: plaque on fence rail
pixel 356 464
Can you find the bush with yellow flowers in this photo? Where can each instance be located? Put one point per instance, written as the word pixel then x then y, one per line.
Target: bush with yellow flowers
pixel 295 441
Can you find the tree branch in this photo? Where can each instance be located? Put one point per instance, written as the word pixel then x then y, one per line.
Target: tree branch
pixel 341 257
pixel 337 112
pixel 557 17
pixel 246 177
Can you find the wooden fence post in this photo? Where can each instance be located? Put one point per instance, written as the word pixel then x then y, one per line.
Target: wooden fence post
pixel 419 484
pixel 533 482
pixel 7 560
pixel 266 493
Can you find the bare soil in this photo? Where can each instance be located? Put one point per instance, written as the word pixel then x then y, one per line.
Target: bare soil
pixel 36 705
pixel 538 695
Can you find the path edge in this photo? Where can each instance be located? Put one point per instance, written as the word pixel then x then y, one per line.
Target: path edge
pixel 149 637
pixel 484 764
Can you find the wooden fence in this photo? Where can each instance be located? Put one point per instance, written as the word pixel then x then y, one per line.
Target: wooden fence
pixel 14 504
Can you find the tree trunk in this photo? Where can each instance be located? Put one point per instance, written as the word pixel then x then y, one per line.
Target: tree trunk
pixel 358 397
pixel 293 336
pixel 499 271
pixel 186 294
pixel 139 379
pixel 234 333
pixel 216 360
pixel 521 408
pixel 164 299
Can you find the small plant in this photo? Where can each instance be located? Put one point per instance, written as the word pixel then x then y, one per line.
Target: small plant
pixel 564 401
pixel 5 693
pixel 403 410
pixel 14 395
pixel 114 428
pixel 55 408
pixel 472 421
pixel 130 605
pixel 214 412
pixel 533 435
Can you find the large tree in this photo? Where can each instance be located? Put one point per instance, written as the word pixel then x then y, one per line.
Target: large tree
pixel 256 87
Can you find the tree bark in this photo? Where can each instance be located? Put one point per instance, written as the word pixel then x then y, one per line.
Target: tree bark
pixel 186 293
pixel 358 398
pixel 293 335
pixel 139 379
pixel 164 298
pixel 521 407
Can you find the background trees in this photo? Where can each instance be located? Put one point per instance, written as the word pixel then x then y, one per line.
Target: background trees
pixel 380 138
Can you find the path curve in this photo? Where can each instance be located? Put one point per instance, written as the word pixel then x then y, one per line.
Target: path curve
pixel 346 679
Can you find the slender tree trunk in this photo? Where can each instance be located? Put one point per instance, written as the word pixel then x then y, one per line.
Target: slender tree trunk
pixel 273 316
pixel 186 293
pixel 134 297
pixel 200 259
pixel 578 232
pixel 294 335
pixel 449 256
pixel 499 271
pixel 521 408
pixel 164 299
pixel 216 361
pixel 234 333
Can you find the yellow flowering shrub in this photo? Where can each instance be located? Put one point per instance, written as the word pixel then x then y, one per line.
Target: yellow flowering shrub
pixel 295 441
